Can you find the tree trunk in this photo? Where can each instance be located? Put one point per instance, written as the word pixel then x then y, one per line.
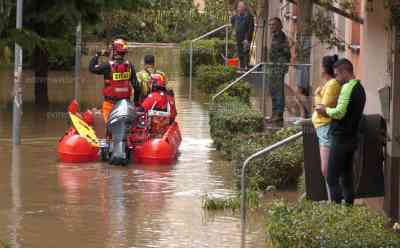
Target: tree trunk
pixel 304 32
pixel 303 48
pixel 107 18
pixel 5 11
pixel 41 68
pixel 262 31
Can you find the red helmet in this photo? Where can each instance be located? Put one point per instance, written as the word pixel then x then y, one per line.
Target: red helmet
pixel 159 80
pixel 120 47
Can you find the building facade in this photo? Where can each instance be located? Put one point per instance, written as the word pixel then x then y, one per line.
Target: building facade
pixel 373 47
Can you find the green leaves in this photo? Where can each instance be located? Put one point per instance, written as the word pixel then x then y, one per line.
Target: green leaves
pixel 237 132
pixel 29 40
pixel 5 11
pixel 210 77
pixel 205 52
pixel 281 168
pixel 315 225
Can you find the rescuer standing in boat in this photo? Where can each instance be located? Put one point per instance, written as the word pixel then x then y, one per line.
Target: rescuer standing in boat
pixel 119 75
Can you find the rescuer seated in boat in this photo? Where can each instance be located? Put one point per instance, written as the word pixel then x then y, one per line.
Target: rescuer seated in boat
pixel 144 78
pixel 160 105
pixel 119 75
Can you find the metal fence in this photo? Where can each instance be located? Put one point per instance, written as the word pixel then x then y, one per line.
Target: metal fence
pixel 296 77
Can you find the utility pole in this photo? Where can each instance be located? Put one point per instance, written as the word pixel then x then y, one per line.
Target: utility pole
pixel 78 59
pixel 17 105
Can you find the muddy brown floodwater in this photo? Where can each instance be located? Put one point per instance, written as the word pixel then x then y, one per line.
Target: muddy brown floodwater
pixel 45 203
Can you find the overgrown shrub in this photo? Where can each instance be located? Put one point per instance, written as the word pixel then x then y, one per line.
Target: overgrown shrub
pixel 161 21
pixel 205 52
pixel 210 77
pixel 280 168
pixel 238 131
pixel 314 225
pixel 301 184
pixel 213 78
pixel 230 119
pixel 241 90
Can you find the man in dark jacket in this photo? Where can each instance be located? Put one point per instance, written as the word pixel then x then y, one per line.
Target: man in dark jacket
pixel 279 54
pixel 243 24
pixel 344 129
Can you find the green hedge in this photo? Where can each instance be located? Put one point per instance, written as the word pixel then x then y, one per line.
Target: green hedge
pixel 241 91
pixel 230 119
pixel 314 225
pixel 280 168
pixel 210 77
pixel 205 52
pixel 238 131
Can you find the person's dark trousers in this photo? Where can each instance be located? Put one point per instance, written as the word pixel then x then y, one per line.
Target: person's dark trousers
pixel 340 167
pixel 277 90
pixel 242 54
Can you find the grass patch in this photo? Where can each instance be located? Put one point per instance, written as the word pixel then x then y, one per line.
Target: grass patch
pixel 210 202
pixel 321 224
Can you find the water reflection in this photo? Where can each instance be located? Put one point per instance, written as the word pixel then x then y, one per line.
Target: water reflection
pixel 15 214
pixel 97 205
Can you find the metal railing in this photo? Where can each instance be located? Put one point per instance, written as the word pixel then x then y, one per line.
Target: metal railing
pixel 251 71
pixel 243 179
pixel 226 27
pixel 235 81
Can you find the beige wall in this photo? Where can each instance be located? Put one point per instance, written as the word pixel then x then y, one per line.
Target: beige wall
pixel 374 55
pixel 200 3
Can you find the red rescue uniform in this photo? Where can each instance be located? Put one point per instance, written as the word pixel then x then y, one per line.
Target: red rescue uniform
pixel 160 102
pixel 119 79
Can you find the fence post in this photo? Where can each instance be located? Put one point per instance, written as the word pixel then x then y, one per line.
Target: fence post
pixel 77 59
pixel 191 70
pixel 263 88
pixel 17 105
pixel 226 44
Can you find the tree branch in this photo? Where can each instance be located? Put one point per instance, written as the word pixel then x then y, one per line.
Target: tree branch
pixel 332 8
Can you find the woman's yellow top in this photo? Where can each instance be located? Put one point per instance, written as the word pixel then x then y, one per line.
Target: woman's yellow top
pixel 326 95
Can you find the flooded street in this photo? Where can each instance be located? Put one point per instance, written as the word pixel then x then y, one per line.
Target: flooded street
pixel 45 203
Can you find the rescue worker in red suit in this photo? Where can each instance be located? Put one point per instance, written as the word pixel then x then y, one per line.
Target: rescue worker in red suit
pixel 160 105
pixel 119 76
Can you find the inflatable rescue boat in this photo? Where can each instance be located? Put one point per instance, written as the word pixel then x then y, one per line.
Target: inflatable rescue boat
pixel 128 138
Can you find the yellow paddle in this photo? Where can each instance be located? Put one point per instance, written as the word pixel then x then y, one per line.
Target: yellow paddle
pixel 84 130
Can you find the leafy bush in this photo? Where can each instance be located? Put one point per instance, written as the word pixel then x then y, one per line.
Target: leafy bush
pixel 280 168
pixel 211 77
pixel 229 119
pixel 162 21
pixel 241 90
pixel 314 225
pixel 301 184
pixel 237 132
pixel 205 52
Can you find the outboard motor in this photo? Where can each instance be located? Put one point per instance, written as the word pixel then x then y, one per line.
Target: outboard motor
pixel 118 125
